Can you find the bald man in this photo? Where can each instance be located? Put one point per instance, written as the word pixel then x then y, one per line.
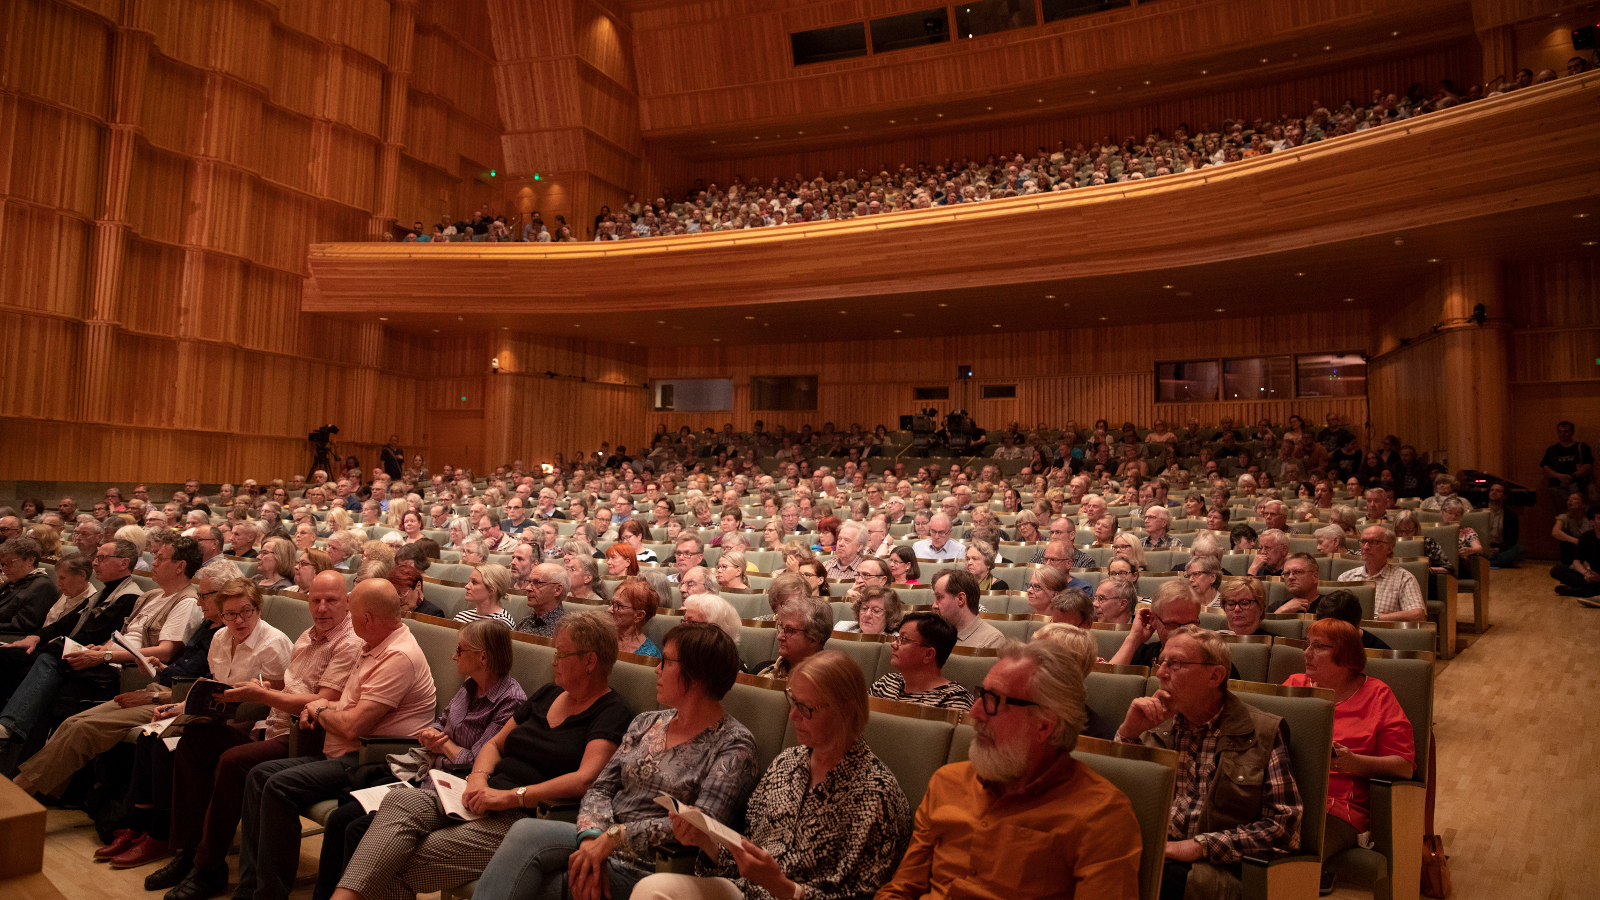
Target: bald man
pixel 389 693
pixel 213 760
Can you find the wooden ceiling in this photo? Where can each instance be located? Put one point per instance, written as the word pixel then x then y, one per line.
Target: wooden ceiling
pixel 1345 221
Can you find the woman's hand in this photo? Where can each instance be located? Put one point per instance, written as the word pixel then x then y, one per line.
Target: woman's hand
pixel 586 869
pixel 690 836
pixel 484 799
pixel 434 740
pixel 1346 761
pixel 759 868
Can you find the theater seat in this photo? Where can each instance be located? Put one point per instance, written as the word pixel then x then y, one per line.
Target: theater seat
pixel 912 740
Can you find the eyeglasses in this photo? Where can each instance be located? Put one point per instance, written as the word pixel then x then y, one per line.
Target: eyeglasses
pixel 900 640
pixel 664 659
pixel 806 710
pixel 789 631
pixel 560 656
pixel 992 701
pixel 621 607
pixel 1162 661
pixel 1367 542
pixel 1238 604
pixel 239 616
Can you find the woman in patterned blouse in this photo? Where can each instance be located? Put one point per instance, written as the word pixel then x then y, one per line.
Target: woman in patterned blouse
pixel 692 750
pixel 827 821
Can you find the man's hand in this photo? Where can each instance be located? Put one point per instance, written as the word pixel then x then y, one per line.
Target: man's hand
pixel 1185 851
pixel 249 692
pixel 1295 605
pixel 134 698
pixel 1145 713
pixel 28 643
pixel 84 659
pixel 1144 625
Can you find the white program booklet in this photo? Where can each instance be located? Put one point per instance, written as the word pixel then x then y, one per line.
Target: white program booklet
pixel 719 832
pixel 68 645
pixel 451 789
pixel 144 661
pixel 371 798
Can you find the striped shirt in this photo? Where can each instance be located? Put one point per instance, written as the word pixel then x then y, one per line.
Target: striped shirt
pixel 472 615
pixel 317 662
pixel 471 720
pixel 946 696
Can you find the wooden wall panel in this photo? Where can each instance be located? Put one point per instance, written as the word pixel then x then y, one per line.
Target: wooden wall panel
pixel 1082 374
pixel 44 260
pixel 354 92
pixel 152 279
pixel 42 366
pixel 158 194
pixel 876 152
pixel 57 158
pixel 184 30
pixel 288 134
pixel 281 221
pixel 61 62
pixel 296 82
pixel 232 130
pixel 173 108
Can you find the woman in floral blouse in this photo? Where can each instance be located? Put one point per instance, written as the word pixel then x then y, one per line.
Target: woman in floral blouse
pixel 692 751
pixel 827 822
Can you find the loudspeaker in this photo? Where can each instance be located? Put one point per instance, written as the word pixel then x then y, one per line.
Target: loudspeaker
pixel 1585 38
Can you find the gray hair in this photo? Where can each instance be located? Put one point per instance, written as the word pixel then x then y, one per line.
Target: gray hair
pixel 1205 544
pixel 1073 600
pixel 554 572
pixel 218 572
pixel 717 611
pixel 816 616
pixel 1273 535
pixel 1056 685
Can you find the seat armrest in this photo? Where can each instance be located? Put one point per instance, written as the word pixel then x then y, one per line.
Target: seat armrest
pixel 673 858
pixel 564 810
pixel 1294 874
pixel 1396 807
pixel 375 747
pixel 1442 587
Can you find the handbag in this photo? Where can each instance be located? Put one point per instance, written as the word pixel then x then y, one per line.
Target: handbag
pixel 1435 864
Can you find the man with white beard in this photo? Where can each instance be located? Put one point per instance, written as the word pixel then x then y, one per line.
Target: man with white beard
pixel 1066 831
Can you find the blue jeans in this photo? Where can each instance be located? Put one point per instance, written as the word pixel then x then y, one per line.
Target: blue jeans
pixel 1506 557
pixel 37 691
pixel 531 864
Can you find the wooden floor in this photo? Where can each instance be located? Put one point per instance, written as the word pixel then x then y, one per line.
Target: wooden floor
pixel 1518 724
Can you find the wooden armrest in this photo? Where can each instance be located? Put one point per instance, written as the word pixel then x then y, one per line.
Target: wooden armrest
pixel 674 858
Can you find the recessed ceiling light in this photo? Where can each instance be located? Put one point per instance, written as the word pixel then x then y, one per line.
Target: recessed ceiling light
pixel 847 128
pixel 1349 299
pixel 717 339
pixel 383 318
pixel 844 312
pixel 756 138
pixel 661 321
pixel 461 318
pixel 752 318
pixel 799 132
pixel 1093 92
pixel 505 328
pixel 941 115
pixel 1399 242
pixel 1327 47
pixel 576 325
pixel 713 142
pixel 1580 215
pixel 1300 274
pixel 632 342
pixel 1167 286
pixel 1041 99
pixel 1147 82
pixel 944 304
pixel 1394 34
pixel 1066 304
pixel 436 331
pixel 1588 243
pixel 988 107
pixel 897 331
pixel 1433 259
pixel 1205 71
pixel 1102 318
pixel 997 324
pixel 1049 296
pixel 1220 309
pixel 891 121
pixel 1263 59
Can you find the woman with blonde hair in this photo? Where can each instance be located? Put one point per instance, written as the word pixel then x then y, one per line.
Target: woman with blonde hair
pixel 1127 547
pixel 845 841
pixel 275 564
pixel 486 591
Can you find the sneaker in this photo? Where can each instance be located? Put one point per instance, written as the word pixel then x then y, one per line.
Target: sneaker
pixel 1329 882
pixel 120 842
pixel 1591 602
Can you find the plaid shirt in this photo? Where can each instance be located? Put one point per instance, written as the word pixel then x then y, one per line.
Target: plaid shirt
pixel 1166 542
pixel 1396 590
pixel 1277 830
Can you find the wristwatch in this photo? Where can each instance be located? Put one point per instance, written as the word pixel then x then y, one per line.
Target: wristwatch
pixel 521 792
pixel 616 833
pixel 1205 845
pixel 107 656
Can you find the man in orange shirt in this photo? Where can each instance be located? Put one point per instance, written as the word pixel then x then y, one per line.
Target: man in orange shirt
pixel 1022 818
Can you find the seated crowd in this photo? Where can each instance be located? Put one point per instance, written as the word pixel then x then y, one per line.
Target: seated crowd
pixel 751 203
pixel 826 818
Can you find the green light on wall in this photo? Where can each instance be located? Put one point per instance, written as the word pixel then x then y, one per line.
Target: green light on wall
pixel 463 398
pixel 491 173
pixel 537 176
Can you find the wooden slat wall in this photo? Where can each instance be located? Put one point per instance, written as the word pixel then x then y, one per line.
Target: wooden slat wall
pixel 1081 374
pixel 1267 100
pixel 163 167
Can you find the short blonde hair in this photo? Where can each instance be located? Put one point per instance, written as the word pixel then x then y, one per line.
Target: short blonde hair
pixel 840 682
pixel 1080 642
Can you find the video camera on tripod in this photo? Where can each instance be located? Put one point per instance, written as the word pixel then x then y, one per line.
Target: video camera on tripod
pixel 321 442
pixel 922 425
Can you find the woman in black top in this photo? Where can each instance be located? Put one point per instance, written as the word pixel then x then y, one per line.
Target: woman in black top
pixel 554 747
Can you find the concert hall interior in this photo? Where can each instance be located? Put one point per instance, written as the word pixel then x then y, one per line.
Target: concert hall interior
pixel 506 231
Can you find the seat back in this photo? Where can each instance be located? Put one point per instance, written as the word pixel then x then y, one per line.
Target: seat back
pixel 967 667
pixel 1405 635
pixel 1250 654
pixel 758 642
pixel 1112 689
pixel 1147 776
pixel 760 705
pixel 1308 712
pixel 438 643
pixel 869 651
pixel 531 662
pixel 912 740
pixel 448 598
pixel 1409 674
pixel 287 614
pixel 635 682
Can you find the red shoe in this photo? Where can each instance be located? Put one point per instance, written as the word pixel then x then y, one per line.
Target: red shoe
pixel 147 850
pixel 121 841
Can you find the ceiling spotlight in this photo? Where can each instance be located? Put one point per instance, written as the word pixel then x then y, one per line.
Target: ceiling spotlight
pixel 383 318
pixel 897 331
pixel 944 304
pixel 997 324
pixel 1433 259
pixel 749 318
pixel 1349 299
pixel 891 121
pixel 1167 287
pixel 436 331
pixel 1102 318
pixel 1220 309
pixel 1588 243
pixel 1205 71
pixel 1300 274
pixel 989 107
pixel 1580 215
pixel 1327 47
pixel 1049 296
pixel 717 339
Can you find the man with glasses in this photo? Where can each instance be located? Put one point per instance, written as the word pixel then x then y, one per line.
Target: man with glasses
pixel 516 520
pixel 89 622
pixel 1156 520
pixel 1272 549
pixel 161 621
pixel 846 552
pixel 1300 578
pixel 1236 794
pixel 689 553
pixel 919 652
pixel 1060 556
pixel 879 541
pixel 28 592
pixel 938 544
pixel 209 537
pixel 1173 607
pixel 547 583
pixel 1022 818
pixel 1062 529
pixel 1398 599
pixel 94 731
